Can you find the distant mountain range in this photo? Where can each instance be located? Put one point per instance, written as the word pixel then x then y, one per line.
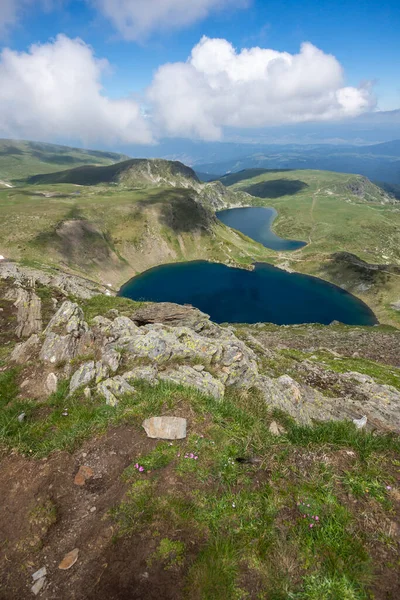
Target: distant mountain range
pixel 378 162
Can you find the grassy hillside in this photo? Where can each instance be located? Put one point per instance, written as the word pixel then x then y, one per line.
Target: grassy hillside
pixel 21 159
pixel 334 213
pixel 110 233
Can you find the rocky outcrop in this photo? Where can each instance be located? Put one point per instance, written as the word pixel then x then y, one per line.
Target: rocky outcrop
pixel 64 283
pixel 192 377
pixel 200 355
pixel 66 336
pixel 171 314
pixel 29 314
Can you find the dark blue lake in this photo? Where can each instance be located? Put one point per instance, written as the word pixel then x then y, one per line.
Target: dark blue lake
pixel 266 294
pixel 256 222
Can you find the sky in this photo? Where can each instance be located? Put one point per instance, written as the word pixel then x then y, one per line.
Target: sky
pixel 109 72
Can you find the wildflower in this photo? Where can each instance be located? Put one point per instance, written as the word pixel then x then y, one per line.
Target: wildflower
pixel 196 458
pixel 136 466
pixel 388 487
pixel 141 469
pixel 233 505
pixel 311 525
pixel 179 454
pixel 317 518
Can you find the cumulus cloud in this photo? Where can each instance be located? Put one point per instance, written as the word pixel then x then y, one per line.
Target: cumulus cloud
pixel 136 19
pixel 54 91
pixel 255 87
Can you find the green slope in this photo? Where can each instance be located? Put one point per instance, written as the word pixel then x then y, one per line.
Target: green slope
pixel 335 213
pixel 22 159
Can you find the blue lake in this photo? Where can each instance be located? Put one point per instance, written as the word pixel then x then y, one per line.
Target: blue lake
pixel 266 294
pixel 256 222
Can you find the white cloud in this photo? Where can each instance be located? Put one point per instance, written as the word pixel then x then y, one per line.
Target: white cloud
pixel 54 91
pixel 256 87
pixel 136 19
pixel 11 11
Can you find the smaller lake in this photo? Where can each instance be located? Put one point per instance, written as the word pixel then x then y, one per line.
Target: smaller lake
pixel 256 222
pixel 232 295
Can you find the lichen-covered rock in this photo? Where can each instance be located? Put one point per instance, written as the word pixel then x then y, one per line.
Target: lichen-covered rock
pixel 64 283
pixel 171 314
pixel 84 375
pixel 111 358
pixel 147 373
pixel 190 377
pixel 29 313
pixel 66 335
pixel 114 388
pixel 26 350
pixel 69 319
pixel 380 404
pixel 301 402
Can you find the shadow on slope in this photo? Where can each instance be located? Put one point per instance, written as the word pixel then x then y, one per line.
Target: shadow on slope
pixel 79 242
pixel 233 178
pixel 179 210
pixel 276 188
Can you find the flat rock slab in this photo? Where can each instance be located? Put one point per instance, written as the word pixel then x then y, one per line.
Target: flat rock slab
pixel 165 428
pixel 69 560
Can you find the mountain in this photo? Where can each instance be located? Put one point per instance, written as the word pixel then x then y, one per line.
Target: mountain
pixel 379 162
pixel 132 172
pixel 22 159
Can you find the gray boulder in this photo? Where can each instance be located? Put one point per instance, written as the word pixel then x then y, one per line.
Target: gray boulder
pixel 66 336
pixel 190 377
pixel 114 388
pixel 84 375
pixel 26 350
pixel 29 313
pixel 147 373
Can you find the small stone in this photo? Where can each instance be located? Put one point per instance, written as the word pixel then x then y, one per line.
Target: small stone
pixel 39 574
pixel 69 560
pixel 21 417
pixel 51 383
pixel 360 423
pixel 38 585
pixel 87 393
pixel 93 509
pixel 82 475
pixel 165 428
pixel 276 429
pixel 199 368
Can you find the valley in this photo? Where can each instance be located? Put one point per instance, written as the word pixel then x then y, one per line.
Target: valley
pixel 113 222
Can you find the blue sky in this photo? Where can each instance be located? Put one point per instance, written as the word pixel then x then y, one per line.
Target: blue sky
pixel 363 38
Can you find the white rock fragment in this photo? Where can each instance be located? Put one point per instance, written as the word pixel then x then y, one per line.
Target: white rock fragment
pixel 39 574
pixel 38 586
pixel 165 428
pixel 360 423
pixel 51 383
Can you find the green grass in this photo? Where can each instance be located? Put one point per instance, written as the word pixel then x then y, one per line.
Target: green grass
pixel 21 159
pixel 100 305
pixel 9 388
pixel 248 519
